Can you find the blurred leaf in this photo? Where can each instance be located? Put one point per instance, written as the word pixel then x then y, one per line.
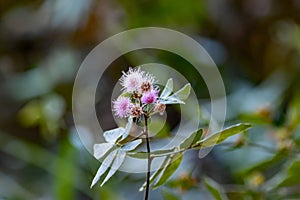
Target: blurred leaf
pixel 293 113
pixel 42 158
pixel 119 158
pixel 219 137
pixel 131 145
pixel 293 176
pixel 101 149
pixel 184 182
pixel 266 164
pixel 30 114
pixel 254 118
pixel 215 189
pixel 168 89
pixel 108 193
pixel 192 139
pixel 167 195
pixel 159 126
pixel 53 108
pixel 64 187
pixel 165 13
pixel 104 166
pixel 46 113
pixel 169 169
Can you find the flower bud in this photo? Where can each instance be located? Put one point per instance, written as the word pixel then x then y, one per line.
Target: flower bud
pixel 159 107
pixel 136 111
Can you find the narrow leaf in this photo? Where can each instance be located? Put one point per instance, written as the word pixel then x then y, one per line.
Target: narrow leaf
pixel 157 172
pixel 115 166
pixel 168 195
pixel 104 166
pixel 167 90
pixel 127 128
pixel 192 139
pixel 215 189
pixel 168 171
pixel 101 149
pixel 113 135
pixel 171 100
pixel 131 145
pixel 280 156
pixel 221 136
pixel 288 177
pixel 183 93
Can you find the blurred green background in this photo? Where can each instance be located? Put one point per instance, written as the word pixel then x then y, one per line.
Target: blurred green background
pixel 255 44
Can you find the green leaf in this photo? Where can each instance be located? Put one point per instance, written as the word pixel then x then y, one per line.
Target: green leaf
pixel 126 94
pixel 31 114
pixel 156 173
pixel 168 170
pixel 172 100
pixel 192 139
pixel 120 157
pixel 127 128
pixel 293 113
pixel 65 181
pixel 104 166
pixel 183 93
pixel 179 96
pixel 113 135
pixel 44 159
pixel 167 90
pixel 289 176
pixel 169 195
pixel 215 189
pixel 101 149
pixel 219 137
pixel 131 145
pixel 266 164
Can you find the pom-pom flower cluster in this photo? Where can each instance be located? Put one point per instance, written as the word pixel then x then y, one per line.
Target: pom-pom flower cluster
pixel 139 97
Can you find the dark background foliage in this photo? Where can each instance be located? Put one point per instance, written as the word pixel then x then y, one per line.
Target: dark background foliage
pixel 255 44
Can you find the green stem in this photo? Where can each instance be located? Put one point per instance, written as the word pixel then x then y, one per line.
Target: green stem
pixel 149 159
pixel 169 153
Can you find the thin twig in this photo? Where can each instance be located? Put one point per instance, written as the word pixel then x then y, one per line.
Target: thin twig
pixel 266 148
pixel 252 144
pixel 149 159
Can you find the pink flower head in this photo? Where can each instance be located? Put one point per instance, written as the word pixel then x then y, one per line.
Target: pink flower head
pixel 132 80
pixel 121 107
pixel 136 80
pixel 150 97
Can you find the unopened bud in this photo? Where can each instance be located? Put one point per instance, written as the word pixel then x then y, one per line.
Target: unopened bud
pixel 159 107
pixel 136 111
